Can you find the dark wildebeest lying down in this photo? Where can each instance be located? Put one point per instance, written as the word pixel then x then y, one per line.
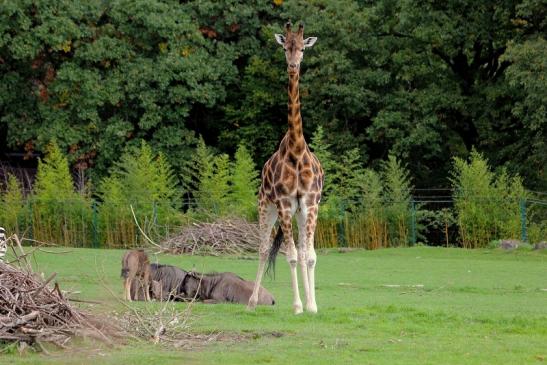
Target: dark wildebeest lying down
pixel 135 271
pixel 166 283
pixel 222 287
pixel 170 280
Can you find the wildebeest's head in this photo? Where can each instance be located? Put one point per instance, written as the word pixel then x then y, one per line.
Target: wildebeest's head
pixel 191 284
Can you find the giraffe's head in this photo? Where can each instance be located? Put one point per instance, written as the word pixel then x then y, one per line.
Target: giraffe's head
pixel 294 45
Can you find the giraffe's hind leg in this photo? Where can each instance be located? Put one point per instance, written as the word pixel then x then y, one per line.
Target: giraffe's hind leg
pixel 303 252
pixel 267 216
pixel 311 222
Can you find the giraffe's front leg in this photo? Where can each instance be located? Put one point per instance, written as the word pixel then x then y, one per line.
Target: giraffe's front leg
pixel 292 258
pixel 311 305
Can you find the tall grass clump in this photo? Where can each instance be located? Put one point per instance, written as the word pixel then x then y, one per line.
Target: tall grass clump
pixel 365 225
pixel 487 204
pixel 329 220
pixel 194 171
pixel 361 207
pixel 206 183
pixel 244 185
pixel 58 213
pixel 144 181
pixel 397 200
pixel 340 195
pixel 215 186
pixel 13 206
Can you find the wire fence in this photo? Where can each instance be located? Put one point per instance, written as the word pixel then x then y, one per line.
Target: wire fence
pixel 90 224
pixel 433 219
pixel 430 217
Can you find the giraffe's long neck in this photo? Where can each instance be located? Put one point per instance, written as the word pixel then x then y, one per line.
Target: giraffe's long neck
pixel 294 117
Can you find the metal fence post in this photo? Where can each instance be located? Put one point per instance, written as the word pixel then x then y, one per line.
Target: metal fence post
pixel 523 233
pixel 413 223
pixel 341 225
pixel 31 219
pixel 95 231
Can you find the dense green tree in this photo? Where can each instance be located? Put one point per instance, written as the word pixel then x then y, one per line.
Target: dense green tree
pixel 525 148
pixel 450 90
pixel 100 75
pixel 420 80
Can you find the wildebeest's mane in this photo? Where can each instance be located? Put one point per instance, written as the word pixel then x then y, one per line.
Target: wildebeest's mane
pixel 171 278
pixel 212 274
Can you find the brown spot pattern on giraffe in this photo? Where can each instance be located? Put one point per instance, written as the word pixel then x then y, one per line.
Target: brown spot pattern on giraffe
pixel 292 170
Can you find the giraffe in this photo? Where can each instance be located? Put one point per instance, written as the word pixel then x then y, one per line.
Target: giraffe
pixel 292 180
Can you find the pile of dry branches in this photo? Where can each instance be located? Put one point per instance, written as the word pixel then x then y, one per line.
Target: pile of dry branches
pixel 230 236
pixel 32 312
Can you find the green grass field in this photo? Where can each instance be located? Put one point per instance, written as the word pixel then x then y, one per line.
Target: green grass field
pixel 393 306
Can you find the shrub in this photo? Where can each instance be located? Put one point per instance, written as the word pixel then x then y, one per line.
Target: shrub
pixel 59 214
pixel 244 185
pixel 366 226
pixel 487 204
pixel 13 206
pixel 397 198
pixel 214 187
pixel 145 181
pixel 194 171
pixel 341 194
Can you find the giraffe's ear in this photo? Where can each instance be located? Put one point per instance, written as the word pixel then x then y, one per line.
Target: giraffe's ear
pixel 308 42
pixel 280 39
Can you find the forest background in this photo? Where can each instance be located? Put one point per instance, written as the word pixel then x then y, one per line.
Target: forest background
pixel 415 87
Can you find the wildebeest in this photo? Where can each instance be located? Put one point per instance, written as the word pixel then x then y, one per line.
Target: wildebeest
pixel 165 283
pixel 222 287
pixel 136 266
pixel 137 290
pixel 170 280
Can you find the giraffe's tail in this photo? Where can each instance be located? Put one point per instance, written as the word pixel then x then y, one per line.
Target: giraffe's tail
pixel 274 249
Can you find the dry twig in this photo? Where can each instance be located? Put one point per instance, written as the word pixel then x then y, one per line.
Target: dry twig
pixel 33 313
pixel 230 236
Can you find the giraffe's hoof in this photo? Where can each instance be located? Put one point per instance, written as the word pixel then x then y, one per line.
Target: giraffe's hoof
pixel 297 308
pixel 312 308
pixel 251 305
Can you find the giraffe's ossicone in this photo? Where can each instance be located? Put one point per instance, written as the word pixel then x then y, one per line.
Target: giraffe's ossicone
pixel 292 180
